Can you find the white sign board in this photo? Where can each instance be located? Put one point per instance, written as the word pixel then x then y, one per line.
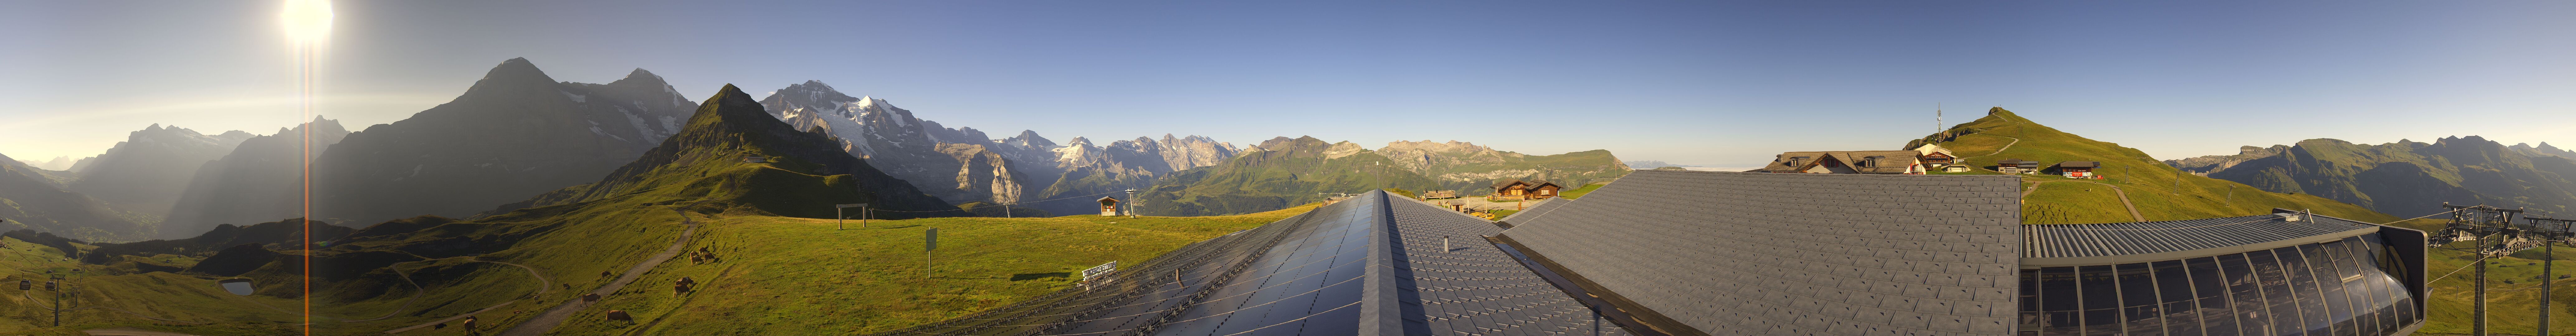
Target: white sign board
pixel 1097 271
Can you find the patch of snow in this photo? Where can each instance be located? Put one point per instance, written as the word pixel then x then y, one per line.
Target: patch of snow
pixel 575 98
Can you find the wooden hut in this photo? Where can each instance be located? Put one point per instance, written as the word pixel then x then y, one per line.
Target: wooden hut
pixel 1108 206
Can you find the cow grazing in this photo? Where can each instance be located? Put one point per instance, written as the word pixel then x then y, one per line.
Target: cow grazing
pixel 619 315
pixel 589 298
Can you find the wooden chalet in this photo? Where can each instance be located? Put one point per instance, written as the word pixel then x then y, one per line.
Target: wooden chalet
pixel 2079 169
pixel 1528 190
pixel 1935 157
pixel 1847 162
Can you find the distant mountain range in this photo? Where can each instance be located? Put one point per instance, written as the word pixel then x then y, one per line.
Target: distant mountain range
pixel 146 173
pixel 36 202
pixel 58 163
pixel 962 165
pixel 2406 177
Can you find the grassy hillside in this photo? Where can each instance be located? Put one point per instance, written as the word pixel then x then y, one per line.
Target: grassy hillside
pixel 2159 191
pixel 784 275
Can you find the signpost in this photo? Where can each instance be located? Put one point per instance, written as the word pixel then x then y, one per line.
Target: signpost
pixel 929 241
pixel 837 217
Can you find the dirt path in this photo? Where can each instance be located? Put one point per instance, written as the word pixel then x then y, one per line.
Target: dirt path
pixel 554 317
pixel 542 283
pixel 2124 196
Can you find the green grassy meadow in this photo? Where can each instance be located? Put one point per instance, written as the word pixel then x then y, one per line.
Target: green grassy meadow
pixel 2161 192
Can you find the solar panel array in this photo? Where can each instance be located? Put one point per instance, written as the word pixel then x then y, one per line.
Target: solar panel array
pixel 1338 270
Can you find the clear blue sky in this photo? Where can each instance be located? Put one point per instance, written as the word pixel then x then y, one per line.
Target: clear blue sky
pixel 1685 82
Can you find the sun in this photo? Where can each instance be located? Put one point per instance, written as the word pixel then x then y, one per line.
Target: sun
pixel 306 21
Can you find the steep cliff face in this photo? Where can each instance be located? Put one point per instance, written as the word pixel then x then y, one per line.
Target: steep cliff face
pixel 894 141
pixel 146 173
pixel 1023 168
pixel 983 169
pixel 2213 163
pixel 1193 151
pixel 514 133
pixel 261 180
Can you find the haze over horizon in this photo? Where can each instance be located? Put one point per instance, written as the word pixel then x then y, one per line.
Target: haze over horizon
pixel 1690 83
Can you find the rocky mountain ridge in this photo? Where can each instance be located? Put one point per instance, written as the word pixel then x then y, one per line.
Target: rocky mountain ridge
pixel 514 133
pixel 262 179
pixel 964 164
pixel 145 173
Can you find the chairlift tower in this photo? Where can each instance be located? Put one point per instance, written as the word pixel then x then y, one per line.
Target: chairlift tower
pixel 2495 233
pixel 2554 231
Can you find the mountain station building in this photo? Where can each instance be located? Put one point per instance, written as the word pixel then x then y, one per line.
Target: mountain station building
pixel 1664 252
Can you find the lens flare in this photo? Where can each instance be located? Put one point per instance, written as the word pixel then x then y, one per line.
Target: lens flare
pixel 306 21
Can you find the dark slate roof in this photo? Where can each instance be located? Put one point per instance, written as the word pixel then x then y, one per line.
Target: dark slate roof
pixel 2108 243
pixel 1473 288
pixel 2079 164
pixel 1728 253
pixel 1499 184
pixel 1536 211
pixel 1370 265
pixel 1892 162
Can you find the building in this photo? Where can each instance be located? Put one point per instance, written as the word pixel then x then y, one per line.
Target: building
pixel 2079 169
pixel 1849 162
pixel 2286 273
pixel 1935 157
pixel 2017 166
pixel 1528 190
pixel 1108 206
pixel 1749 253
pixel 1440 194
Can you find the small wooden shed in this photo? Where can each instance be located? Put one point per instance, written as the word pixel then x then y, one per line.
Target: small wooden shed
pixel 1108 206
